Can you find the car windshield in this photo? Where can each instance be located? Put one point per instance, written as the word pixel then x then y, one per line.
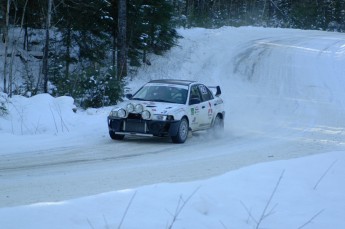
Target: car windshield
pixel 162 93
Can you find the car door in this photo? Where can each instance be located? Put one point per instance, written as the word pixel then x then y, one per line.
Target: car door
pixel 195 108
pixel 207 106
pixel 200 108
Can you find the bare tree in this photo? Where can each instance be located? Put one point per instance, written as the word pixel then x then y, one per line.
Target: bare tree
pixel 122 40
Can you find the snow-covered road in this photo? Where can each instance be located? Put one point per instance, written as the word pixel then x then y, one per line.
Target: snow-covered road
pixel 284 93
pixel 64 173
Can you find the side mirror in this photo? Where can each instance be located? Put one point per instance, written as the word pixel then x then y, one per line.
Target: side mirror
pixel 128 96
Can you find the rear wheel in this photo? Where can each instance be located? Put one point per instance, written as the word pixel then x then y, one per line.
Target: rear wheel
pixel 218 126
pixel 116 136
pixel 182 132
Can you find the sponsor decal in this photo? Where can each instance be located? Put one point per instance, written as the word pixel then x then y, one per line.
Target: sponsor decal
pixel 192 111
pixel 210 111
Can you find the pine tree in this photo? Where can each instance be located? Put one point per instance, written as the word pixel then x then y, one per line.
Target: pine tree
pixel 151 29
pixel 81 50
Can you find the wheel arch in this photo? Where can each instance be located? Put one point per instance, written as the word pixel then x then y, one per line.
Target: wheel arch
pixel 219 114
pixel 186 116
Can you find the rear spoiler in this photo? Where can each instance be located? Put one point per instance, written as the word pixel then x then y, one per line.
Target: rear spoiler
pixel 218 91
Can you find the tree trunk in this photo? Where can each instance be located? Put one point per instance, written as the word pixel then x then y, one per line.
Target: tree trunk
pixel 5 40
pixel 122 41
pixel 24 25
pixel 46 48
pixel 114 52
pixel 68 50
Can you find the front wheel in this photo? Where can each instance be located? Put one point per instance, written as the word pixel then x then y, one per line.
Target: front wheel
pixel 182 132
pixel 116 136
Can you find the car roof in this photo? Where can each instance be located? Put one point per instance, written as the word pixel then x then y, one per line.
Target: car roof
pixel 173 81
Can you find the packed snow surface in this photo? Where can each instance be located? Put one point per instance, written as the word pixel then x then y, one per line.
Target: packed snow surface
pixel 285 100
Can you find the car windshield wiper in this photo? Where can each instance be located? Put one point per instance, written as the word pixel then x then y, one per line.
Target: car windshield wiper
pixel 161 100
pixel 138 99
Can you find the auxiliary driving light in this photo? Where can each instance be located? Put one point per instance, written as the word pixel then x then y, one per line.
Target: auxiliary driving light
pixel 139 108
pixel 130 107
pixel 146 114
pixel 121 113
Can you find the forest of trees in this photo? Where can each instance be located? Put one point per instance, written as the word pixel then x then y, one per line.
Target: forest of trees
pixel 86 49
pixel 302 14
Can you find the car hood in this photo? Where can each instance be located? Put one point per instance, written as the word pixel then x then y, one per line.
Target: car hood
pixel 154 107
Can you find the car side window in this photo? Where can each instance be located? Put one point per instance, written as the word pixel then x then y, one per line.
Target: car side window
pixel 194 97
pixel 206 94
pixel 178 95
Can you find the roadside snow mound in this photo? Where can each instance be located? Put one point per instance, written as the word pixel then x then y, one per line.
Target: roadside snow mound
pixel 39 114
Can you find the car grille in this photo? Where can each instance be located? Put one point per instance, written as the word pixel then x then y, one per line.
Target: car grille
pixel 134 116
pixel 135 126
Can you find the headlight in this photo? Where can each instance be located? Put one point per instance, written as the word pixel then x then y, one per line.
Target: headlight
pixel 139 108
pixel 146 114
pixel 164 117
pixel 121 113
pixel 130 107
pixel 170 118
pixel 113 114
pixel 160 117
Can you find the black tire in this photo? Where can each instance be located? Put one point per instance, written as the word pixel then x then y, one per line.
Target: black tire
pixel 116 136
pixel 218 126
pixel 182 133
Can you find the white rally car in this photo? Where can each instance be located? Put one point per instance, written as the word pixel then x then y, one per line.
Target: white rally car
pixel 168 108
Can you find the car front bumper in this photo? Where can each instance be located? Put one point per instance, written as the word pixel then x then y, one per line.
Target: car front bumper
pixel 142 127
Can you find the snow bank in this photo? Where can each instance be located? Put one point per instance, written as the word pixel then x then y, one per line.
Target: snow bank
pixel 41 121
pixel 283 194
pixel 40 114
